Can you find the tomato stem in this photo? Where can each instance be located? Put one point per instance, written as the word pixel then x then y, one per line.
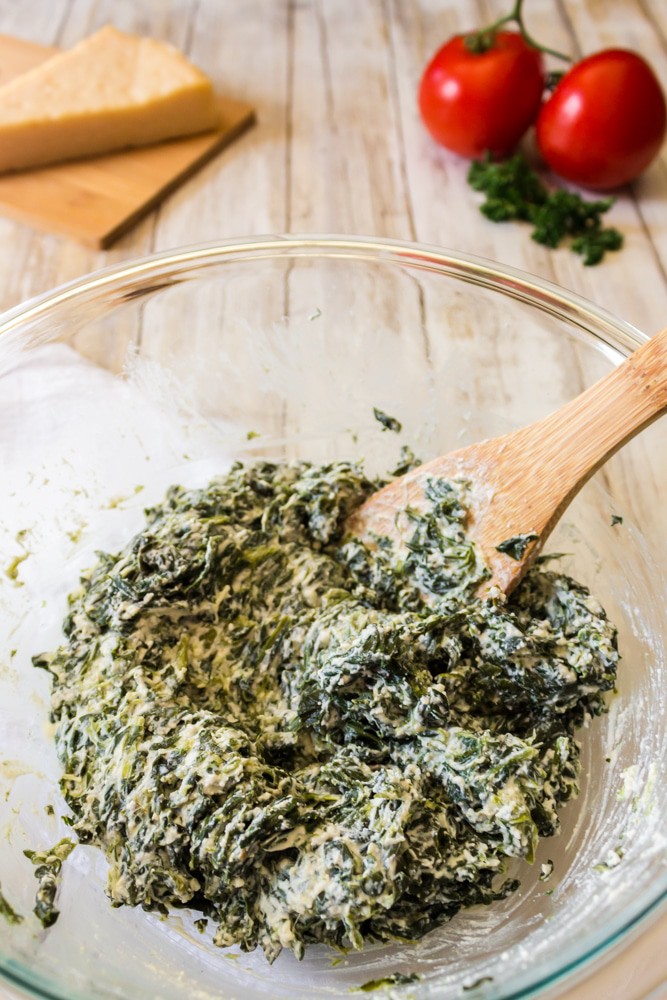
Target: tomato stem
pixel 482 41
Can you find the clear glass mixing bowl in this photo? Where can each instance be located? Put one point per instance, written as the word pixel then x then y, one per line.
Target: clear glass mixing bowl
pixel 164 370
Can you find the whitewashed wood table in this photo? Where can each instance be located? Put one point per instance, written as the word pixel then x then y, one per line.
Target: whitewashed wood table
pixel 339 148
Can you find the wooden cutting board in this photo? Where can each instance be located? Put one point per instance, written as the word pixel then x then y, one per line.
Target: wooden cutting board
pixel 97 199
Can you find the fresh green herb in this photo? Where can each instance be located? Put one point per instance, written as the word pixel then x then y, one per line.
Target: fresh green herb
pixel 563 214
pixel 396 979
pixel 49 810
pixel 616 519
pixel 478 982
pixel 594 244
pixel 201 924
pixel 48 865
pixel 516 547
pixel 251 435
pixel 388 423
pixel 307 738
pixel 8 912
pixel 514 191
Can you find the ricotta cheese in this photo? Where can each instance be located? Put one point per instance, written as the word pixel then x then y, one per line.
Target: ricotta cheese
pixel 309 740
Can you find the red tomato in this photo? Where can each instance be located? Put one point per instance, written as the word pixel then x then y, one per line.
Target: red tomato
pixel 604 122
pixel 472 102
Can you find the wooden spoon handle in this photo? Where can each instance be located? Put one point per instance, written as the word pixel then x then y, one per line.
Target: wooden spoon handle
pixel 572 443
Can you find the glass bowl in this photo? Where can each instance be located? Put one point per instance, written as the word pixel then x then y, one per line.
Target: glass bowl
pixel 164 370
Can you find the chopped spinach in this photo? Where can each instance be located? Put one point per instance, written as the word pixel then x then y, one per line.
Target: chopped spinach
pixel 7 911
pixel 516 547
pixel 310 739
pixel 48 865
pixel 388 423
pixel 407 460
pixel 396 979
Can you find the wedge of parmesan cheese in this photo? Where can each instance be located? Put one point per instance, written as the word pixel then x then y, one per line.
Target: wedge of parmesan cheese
pixel 109 92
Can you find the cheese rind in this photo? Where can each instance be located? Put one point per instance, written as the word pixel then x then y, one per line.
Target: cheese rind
pixel 109 92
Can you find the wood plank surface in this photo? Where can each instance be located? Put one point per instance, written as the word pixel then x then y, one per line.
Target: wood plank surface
pixel 339 147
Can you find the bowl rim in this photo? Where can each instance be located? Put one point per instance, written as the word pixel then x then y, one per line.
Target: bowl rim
pixel 612 332
pixel 518 283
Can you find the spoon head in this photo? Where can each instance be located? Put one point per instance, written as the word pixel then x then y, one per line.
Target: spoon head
pixel 507 528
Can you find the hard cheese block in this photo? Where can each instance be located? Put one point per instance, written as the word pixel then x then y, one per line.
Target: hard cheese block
pixel 110 91
pixel 97 199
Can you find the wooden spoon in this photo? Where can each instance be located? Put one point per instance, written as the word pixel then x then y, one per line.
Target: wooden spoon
pixel 521 483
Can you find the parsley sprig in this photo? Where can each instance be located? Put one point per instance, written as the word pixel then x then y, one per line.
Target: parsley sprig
pixel 514 191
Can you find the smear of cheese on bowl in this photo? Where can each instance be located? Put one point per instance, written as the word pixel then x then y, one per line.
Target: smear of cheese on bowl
pixel 111 91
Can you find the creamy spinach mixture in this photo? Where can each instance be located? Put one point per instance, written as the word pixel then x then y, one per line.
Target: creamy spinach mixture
pixel 308 740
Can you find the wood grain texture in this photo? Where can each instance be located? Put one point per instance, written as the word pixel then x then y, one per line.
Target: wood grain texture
pixel 97 199
pixel 339 147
